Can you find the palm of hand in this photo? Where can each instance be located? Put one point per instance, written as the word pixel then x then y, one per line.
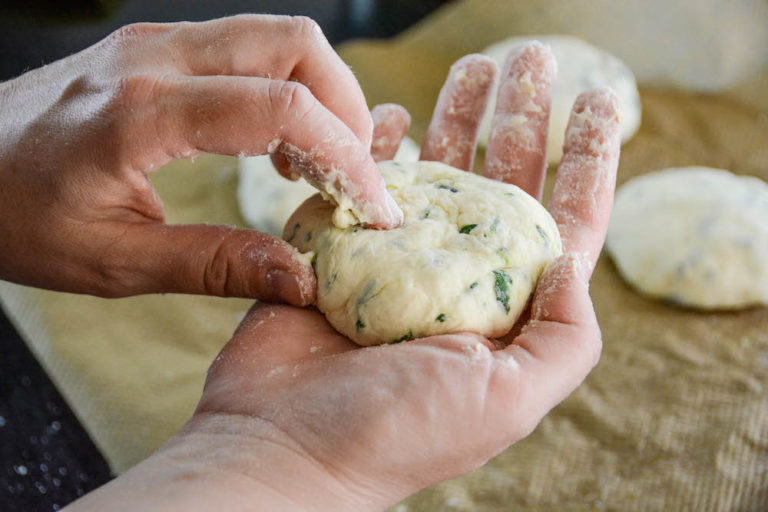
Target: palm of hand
pixel 407 415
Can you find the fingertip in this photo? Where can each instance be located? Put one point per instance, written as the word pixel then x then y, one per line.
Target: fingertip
pixel 383 111
pixel 593 127
pixel 603 102
pixel 390 124
pixel 482 66
pixel 531 56
pixel 294 289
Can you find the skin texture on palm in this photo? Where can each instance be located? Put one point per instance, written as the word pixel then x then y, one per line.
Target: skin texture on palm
pixel 295 416
pixel 81 135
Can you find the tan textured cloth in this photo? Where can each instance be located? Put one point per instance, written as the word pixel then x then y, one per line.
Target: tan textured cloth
pixel 675 417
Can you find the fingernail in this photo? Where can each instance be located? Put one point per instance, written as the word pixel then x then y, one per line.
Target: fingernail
pixel 284 285
pixel 396 214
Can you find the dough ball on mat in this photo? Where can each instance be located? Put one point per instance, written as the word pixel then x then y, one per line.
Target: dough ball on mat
pixel 467 257
pixel 580 67
pixel 695 236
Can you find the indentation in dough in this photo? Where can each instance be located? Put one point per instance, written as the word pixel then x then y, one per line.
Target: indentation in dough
pixel 466 258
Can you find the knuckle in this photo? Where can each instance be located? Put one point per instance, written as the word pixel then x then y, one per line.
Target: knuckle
pixel 137 88
pixel 290 97
pixel 222 272
pixel 111 276
pixel 306 28
pixel 135 31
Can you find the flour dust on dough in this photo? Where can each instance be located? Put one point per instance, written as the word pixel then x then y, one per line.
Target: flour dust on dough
pixel 580 67
pixel 467 257
pixel 266 199
pixel 695 236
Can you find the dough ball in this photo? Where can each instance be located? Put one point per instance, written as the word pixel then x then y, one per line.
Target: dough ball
pixel 266 199
pixel 467 257
pixel 580 67
pixel 695 236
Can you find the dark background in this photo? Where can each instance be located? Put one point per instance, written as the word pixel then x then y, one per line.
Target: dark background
pixel 46 458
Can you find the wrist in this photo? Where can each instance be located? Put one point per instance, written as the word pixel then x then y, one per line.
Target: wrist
pixel 224 462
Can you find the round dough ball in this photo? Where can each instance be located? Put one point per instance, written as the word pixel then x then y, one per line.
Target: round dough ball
pixel 695 236
pixel 266 199
pixel 580 67
pixel 467 257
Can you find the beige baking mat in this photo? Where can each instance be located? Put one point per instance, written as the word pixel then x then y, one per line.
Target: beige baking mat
pixel 675 417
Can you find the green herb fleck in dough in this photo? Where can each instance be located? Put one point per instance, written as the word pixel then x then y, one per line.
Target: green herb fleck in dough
pixel 501 284
pixel 314 262
pixel 440 318
pixel 405 337
pixel 494 225
pixel 294 232
pixel 359 325
pixel 426 214
pixel 367 291
pixel 502 252
pixel 331 279
pixel 467 228
pixel 473 285
pixel 443 186
pixel 542 233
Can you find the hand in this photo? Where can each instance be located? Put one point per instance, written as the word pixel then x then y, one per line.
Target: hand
pixel 294 416
pixel 79 137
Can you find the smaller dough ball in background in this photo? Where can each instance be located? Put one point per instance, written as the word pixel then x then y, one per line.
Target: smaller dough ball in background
pixel 266 199
pixel 695 236
pixel 580 67
pixel 467 257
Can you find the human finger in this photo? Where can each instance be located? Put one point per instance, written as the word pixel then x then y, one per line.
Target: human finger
pixel 582 197
pixel 252 116
pixel 152 257
pixel 390 124
pixel 452 134
pixel 560 344
pixel 276 47
pixel 517 145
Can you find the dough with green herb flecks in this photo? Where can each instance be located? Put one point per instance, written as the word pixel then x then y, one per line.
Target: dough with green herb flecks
pixel 467 257
pixel 695 236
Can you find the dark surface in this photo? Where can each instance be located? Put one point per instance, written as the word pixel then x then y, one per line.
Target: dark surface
pixel 47 459
pixel 33 33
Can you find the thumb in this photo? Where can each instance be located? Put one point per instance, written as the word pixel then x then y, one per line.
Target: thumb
pixel 213 260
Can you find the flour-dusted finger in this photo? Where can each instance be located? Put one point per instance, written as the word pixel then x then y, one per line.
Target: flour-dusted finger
pixel 558 347
pixel 151 257
pixel 276 47
pixel 452 134
pixel 390 124
pixel 177 116
pixel 583 193
pixel 517 145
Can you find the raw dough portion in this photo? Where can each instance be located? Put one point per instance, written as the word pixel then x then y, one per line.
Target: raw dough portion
pixel 266 199
pixel 466 259
pixel 580 67
pixel 696 236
